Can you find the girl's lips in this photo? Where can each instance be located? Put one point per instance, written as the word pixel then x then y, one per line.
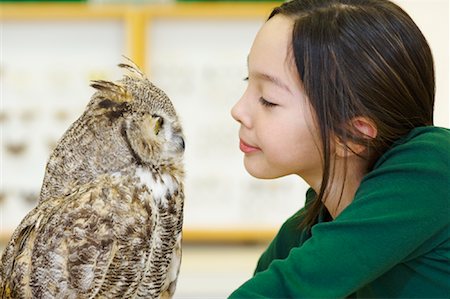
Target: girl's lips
pixel 244 147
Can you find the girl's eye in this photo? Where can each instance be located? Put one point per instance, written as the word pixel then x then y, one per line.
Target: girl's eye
pixel 266 103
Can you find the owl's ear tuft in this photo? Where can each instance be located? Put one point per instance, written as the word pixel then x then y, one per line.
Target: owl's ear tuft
pixel 132 67
pixel 103 85
pixel 112 91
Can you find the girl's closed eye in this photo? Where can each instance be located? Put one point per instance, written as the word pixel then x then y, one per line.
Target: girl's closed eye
pixel 262 100
pixel 266 103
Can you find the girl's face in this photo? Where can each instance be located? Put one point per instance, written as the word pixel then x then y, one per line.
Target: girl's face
pixel 278 134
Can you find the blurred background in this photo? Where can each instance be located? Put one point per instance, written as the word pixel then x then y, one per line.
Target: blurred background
pixel 196 52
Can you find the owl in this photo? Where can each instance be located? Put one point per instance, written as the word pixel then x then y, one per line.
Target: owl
pixel 109 219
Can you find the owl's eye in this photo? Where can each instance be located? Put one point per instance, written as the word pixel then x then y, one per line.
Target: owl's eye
pixel 159 121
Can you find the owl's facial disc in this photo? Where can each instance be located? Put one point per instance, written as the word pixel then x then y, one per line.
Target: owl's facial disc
pixel 153 139
pixel 170 133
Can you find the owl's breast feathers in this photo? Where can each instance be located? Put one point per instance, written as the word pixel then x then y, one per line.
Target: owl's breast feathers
pixel 113 238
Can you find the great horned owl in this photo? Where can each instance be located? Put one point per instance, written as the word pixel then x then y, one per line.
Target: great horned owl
pixel 109 219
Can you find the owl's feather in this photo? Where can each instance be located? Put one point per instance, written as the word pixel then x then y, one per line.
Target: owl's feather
pixel 109 221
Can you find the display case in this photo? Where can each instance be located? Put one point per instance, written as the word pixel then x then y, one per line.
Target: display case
pixel 197 53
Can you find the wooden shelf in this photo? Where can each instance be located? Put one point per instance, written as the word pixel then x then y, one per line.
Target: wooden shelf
pixel 213 236
pixel 223 236
pixel 52 11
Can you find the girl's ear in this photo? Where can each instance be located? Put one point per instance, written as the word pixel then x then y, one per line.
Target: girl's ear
pixel 363 125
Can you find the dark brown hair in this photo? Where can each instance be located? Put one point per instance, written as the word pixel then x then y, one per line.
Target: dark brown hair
pixel 360 58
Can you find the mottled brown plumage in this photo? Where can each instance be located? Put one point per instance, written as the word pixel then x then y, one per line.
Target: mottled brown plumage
pixel 109 220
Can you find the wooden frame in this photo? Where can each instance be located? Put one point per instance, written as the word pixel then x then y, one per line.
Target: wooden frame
pixel 136 19
pixel 134 16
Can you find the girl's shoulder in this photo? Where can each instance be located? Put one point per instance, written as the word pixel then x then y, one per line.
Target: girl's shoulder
pixel 414 171
pixel 437 137
pixel 427 143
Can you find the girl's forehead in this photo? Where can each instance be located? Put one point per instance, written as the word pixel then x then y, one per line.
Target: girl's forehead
pixel 271 52
pixel 274 34
pixel 271 43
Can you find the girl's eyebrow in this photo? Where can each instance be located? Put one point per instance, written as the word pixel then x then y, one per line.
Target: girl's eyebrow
pixel 274 80
pixel 271 79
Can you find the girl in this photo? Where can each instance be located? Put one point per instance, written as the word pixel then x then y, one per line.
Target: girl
pixel 341 93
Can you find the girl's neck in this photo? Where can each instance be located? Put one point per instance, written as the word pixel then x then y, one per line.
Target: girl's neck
pixel 344 184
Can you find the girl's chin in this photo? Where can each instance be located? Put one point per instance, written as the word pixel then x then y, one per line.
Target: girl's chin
pixel 259 171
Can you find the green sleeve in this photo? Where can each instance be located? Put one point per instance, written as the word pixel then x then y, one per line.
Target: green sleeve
pixel 400 205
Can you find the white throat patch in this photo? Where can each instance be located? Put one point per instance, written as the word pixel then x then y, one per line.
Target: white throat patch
pixel 159 185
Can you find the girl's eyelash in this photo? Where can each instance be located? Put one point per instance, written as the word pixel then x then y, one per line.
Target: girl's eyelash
pixel 265 103
pixel 262 100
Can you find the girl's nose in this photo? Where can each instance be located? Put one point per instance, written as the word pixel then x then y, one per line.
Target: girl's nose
pixel 235 112
pixel 240 114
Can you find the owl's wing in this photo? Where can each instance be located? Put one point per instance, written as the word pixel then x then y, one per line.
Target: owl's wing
pixel 91 243
pixel 12 265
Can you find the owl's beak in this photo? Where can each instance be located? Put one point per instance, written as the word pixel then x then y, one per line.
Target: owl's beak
pixel 180 143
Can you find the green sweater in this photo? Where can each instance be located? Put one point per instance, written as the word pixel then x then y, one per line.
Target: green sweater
pixel 393 240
